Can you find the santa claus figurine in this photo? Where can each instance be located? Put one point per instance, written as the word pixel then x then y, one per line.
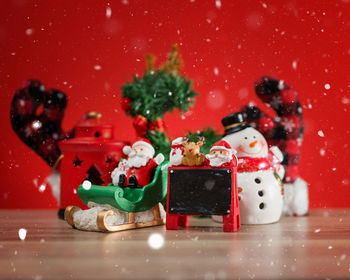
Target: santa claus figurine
pixel 177 150
pixel 136 171
pixel 221 155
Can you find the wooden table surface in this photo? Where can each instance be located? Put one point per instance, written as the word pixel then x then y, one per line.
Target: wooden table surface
pixel 316 246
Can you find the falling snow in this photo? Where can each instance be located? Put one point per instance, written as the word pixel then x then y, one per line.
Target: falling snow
pixel 218 4
pixel 87 185
pixel 320 133
pixel 281 85
pixel 295 65
pixel 155 241
pixel 322 152
pixel 243 93
pixel 29 31
pixel 216 71
pixel 108 12
pixel 327 86
pixel 97 67
pixel 345 100
pixel 42 188
pixel 22 233
pixel 215 99
pixel 36 124
pixel 263 5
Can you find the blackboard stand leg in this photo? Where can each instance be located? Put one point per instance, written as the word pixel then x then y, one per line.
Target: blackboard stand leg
pixel 229 223
pixel 183 221
pixel 172 221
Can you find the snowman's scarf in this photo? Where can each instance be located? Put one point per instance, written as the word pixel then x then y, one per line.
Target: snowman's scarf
pixel 250 164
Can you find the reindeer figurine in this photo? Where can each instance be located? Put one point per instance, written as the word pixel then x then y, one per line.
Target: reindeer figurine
pixel 192 155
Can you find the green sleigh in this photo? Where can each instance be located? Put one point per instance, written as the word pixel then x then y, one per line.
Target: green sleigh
pixel 131 200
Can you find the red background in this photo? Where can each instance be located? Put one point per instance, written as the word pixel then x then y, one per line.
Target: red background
pixel 60 43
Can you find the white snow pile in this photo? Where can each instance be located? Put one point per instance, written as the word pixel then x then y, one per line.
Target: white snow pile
pixel 87 219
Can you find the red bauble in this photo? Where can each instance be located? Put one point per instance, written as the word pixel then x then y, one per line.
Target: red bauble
pixel 126 101
pixel 140 124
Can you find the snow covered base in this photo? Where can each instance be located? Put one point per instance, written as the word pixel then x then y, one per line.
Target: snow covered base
pixel 86 219
pixel 296 198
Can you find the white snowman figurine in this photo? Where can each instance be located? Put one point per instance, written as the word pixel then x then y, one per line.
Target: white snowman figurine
pixel 259 172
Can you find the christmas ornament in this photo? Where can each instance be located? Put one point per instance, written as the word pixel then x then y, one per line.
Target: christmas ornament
pixel 177 151
pixel 259 172
pixel 36 115
pixel 209 134
pixel 192 155
pixel 284 131
pixel 91 155
pixel 221 155
pixel 124 204
pixel 136 171
pixel 159 91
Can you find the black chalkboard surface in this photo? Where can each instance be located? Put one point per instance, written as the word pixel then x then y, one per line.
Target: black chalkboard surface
pixel 200 191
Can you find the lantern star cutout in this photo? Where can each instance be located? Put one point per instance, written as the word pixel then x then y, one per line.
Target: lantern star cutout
pixel 77 161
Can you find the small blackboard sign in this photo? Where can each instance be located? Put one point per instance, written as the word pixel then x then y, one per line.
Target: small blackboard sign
pixel 200 191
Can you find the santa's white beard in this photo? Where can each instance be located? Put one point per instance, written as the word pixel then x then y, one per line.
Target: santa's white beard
pixel 138 160
pixel 218 161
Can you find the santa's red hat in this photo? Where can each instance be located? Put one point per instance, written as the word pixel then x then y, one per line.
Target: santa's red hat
pixel 140 142
pixel 221 145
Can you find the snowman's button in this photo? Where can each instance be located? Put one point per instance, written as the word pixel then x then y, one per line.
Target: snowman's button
pixel 257 180
pixel 262 205
pixel 260 193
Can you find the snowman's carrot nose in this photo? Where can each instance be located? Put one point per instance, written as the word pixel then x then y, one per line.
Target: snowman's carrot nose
pixel 252 144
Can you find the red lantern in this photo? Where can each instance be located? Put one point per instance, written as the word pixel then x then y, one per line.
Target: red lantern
pixel 91 155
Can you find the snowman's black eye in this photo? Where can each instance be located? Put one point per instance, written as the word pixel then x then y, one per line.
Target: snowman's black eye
pixel 245 137
pixel 254 137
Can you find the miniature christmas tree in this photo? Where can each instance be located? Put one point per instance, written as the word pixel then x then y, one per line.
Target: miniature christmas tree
pixel 159 91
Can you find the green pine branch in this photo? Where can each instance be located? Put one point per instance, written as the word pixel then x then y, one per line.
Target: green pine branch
pixel 157 93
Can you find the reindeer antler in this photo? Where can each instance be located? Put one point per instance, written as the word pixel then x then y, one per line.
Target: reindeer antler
pixel 201 139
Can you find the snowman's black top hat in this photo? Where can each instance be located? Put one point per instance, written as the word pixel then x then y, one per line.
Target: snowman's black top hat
pixel 234 123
